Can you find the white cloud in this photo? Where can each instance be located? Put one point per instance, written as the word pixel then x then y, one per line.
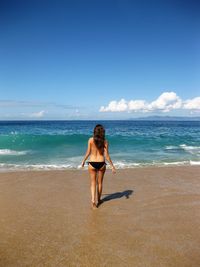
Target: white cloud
pixel 192 104
pixel 166 102
pixel 137 105
pixel 115 106
pixel 39 114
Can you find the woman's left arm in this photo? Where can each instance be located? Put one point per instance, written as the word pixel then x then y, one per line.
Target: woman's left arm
pixel 87 153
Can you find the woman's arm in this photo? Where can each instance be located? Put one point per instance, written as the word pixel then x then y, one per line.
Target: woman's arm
pixel 107 156
pixel 87 153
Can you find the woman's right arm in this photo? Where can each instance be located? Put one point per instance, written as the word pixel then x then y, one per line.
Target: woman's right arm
pixel 87 153
pixel 107 156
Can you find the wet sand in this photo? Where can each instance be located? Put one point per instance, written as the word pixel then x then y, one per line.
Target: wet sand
pixel 150 217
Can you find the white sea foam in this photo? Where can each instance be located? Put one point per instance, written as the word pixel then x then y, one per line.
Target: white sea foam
pixel 194 150
pixel 118 165
pixel 35 167
pixel 194 162
pixel 12 152
pixel 171 147
pixel 176 163
pixel 191 149
pixel 124 165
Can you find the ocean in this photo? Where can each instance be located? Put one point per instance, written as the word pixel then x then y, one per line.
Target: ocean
pixel 46 145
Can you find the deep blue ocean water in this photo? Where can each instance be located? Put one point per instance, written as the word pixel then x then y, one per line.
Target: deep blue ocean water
pixel 62 144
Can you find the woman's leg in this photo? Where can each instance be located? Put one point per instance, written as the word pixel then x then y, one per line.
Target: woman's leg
pixel 93 175
pixel 100 182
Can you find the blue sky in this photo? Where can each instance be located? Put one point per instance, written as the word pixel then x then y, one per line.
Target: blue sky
pixel 72 59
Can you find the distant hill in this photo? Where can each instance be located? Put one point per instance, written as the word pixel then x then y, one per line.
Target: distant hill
pixel 167 118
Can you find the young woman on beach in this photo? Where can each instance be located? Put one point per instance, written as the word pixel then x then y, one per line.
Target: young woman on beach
pixel 98 152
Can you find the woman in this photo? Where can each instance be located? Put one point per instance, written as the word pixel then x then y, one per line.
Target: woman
pixel 98 152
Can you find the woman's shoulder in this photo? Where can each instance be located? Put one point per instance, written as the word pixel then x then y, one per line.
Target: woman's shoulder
pixel 105 142
pixel 90 139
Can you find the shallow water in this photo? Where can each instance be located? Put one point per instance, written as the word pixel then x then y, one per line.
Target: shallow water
pixel 62 144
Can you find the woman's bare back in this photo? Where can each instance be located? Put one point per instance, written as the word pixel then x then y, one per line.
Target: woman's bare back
pixel 95 155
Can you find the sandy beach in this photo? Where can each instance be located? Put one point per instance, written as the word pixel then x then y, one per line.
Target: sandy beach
pixel 149 217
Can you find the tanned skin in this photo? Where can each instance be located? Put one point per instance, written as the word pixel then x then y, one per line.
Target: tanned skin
pixel 96 176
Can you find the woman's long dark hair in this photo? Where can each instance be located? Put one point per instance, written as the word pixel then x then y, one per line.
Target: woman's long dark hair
pixel 99 137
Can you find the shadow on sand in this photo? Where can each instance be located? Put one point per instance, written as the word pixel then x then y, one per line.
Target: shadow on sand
pixel 125 193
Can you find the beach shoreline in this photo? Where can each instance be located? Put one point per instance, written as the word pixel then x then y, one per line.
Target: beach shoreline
pixel 149 217
pixel 108 167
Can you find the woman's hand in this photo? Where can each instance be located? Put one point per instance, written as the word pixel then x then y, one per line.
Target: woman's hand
pixel 83 163
pixel 113 170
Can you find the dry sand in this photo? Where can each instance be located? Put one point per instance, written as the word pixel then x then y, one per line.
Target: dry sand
pixel 150 218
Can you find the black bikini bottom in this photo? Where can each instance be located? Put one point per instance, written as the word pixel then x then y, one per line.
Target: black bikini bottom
pixel 97 165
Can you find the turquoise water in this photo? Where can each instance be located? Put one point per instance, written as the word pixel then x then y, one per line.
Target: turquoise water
pixel 62 144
